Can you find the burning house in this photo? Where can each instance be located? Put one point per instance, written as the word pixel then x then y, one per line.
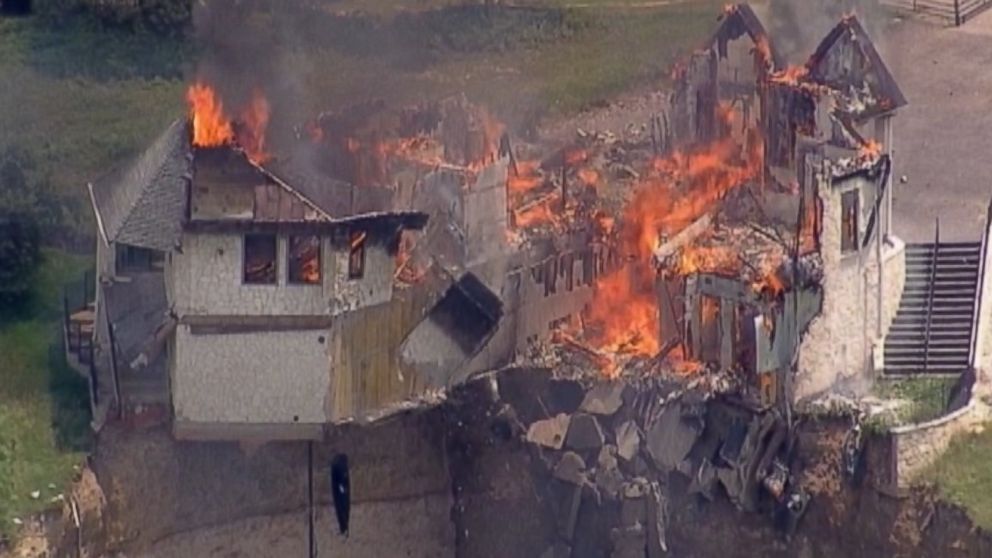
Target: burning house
pixel 389 254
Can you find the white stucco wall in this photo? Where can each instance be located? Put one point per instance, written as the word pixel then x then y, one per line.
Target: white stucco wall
pixel 256 378
pixel 839 343
pixel 206 279
pixel 375 287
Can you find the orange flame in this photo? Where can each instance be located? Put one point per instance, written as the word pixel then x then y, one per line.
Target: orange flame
pixel 624 311
pixel 213 128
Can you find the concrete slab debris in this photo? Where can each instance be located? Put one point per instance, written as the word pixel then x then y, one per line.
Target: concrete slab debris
pixel 584 433
pixel 670 438
pixel 628 542
pixel 604 399
pixel 608 478
pixel 628 440
pixel 549 433
pixel 571 469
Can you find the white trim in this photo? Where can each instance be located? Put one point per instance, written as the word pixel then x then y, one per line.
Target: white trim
pixel 96 211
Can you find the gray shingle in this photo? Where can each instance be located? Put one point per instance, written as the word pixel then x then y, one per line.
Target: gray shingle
pixel 144 203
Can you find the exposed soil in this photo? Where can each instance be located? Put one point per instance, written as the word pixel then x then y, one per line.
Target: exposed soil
pixel 460 480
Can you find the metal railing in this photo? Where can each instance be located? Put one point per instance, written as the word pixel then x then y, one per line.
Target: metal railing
pixel 78 334
pixel 954 11
pixel 979 288
pixel 930 289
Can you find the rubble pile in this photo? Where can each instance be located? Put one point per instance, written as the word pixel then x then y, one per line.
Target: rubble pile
pixel 627 442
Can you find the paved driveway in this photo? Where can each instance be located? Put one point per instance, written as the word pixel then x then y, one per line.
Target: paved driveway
pixel 943 139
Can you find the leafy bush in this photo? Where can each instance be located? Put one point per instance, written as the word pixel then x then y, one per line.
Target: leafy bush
pixel 160 16
pixel 20 255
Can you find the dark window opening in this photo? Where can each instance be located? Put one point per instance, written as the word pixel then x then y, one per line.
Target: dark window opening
pixel 260 259
pixel 304 260
pixel 849 221
pixel 131 259
pixel 356 254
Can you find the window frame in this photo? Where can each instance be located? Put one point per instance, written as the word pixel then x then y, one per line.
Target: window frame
pixel 244 259
pixel 289 260
pixel 360 237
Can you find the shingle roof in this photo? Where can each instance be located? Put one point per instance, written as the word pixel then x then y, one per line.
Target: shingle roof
pixel 135 308
pixel 143 204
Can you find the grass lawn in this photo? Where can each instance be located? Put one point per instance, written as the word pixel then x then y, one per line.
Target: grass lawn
pixel 44 410
pixel 964 475
pixel 926 397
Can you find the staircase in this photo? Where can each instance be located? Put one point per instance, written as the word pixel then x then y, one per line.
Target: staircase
pixel 931 333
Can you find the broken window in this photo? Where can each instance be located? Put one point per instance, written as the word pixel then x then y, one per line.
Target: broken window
pixel 356 254
pixel 303 260
pixel 260 259
pixel 849 221
pixel 130 259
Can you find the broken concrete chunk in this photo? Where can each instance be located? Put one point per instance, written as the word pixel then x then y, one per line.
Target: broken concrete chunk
pixel 603 399
pixel 628 542
pixel 584 433
pixel 569 515
pixel 559 550
pixel 608 478
pixel 628 440
pixel 571 468
pixel 670 438
pixel 549 433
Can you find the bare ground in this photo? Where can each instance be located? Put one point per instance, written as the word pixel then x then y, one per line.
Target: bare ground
pixel 942 137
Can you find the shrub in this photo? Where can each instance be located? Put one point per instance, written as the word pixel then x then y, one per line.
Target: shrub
pixel 160 16
pixel 20 255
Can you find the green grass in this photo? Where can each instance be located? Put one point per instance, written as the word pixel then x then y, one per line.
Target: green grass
pixel 79 100
pixel 926 397
pixel 43 404
pixel 964 475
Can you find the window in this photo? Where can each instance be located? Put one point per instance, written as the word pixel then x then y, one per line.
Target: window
pixel 356 254
pixel 260 259
pixel 303 260
pixel 849 221
pixel 132 259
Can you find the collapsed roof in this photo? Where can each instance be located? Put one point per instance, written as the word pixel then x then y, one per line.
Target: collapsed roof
pixel 146 203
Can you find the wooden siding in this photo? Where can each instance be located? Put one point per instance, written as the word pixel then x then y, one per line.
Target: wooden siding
pixel 365 371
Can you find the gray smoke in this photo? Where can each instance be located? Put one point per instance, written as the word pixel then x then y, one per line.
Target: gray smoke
pixel 248 45
pixel 798 26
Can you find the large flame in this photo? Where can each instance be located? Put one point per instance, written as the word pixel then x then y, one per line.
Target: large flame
pixel 623 316
pixel 213 128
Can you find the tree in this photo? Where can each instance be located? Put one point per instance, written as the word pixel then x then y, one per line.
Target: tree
pixel 20 255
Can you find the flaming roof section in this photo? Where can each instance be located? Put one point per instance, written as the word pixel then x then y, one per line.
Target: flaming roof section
pixel 847 58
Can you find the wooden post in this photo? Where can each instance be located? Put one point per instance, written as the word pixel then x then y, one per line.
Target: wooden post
pixel 957 13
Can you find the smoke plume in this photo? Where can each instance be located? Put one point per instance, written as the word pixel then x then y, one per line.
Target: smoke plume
pixel 798 26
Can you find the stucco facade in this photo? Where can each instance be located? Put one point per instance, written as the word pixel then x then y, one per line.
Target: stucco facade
pixel 238 370
pixel 838 346
pixel 259 378
pixel 205 278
